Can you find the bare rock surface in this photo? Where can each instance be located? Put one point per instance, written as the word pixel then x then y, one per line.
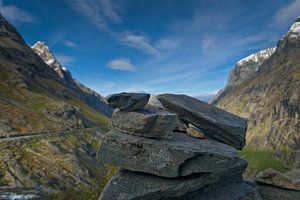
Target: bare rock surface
pixel 180 155
pixel 274 178
pixel 219 124
pixel 128 101
pixel 193 132
pixel 181 126
pixel 269 192
pixel 145 123
pixel 128 185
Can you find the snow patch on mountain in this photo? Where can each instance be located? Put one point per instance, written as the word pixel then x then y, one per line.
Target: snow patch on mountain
pixel 258 57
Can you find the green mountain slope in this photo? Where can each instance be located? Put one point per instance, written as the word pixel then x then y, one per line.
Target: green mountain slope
pixel 270 100
pixel 33 97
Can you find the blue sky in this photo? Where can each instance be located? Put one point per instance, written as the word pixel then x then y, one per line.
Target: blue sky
pixel 154 46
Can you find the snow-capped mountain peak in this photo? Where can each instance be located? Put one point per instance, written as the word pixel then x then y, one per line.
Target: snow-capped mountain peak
pixel 258 57
pixel 294 31
pixel 247 67
pixel 41 49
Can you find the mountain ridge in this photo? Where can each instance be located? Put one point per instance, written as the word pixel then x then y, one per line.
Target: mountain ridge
pixel 89 96
pixel 33 97
pixel 270 98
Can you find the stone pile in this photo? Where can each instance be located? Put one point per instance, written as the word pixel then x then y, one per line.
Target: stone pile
pixel 157 162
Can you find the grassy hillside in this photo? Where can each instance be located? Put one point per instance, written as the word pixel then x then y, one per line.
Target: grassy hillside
pixel 35 109
pixel 66 165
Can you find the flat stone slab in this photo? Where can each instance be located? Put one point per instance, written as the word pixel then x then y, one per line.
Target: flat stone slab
pixel 274 178
pixel 145 123
pixel 180 155
pixel 215 122
pixel 128 185
pixel 128 101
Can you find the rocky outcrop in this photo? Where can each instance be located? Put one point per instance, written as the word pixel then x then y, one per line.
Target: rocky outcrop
pixel 128 101
pixel 277 179
pixel 177 167
pixel 215 122
pixel 270 98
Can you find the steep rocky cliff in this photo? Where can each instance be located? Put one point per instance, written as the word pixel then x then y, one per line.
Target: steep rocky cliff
pixel 87 95
pixel 244 70
pixel 35 98
pixel 270 97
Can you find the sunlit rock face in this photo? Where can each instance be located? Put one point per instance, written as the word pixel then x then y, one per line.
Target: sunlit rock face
pixel 269 99
pixel 249 66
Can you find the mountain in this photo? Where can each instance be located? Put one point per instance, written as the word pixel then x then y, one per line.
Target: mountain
pixel 244 70
pixel 56 160
pixel 87 95
pixel 205 97
pixel 36 98
pixel 264 88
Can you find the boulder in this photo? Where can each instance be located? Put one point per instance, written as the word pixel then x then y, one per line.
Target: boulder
pixel 180 155
pixel 217 123
pixel 128 101
pixel 272 177
pixel 145 123
pixel 135 185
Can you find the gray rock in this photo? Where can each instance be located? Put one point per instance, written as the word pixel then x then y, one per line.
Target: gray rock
pixel 127 185
pixel 145 123
pixel 229 189
pixel 180 155
pixel 269 192
pixel 215 122
pixel 128 101
pixel 272 177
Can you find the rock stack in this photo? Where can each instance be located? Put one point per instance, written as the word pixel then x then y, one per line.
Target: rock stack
pixel 157 162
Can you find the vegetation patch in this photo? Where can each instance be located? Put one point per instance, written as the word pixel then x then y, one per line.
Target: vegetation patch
pixel 259 160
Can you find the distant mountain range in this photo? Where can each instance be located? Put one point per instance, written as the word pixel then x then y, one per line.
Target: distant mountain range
pixel 37 94
pixel 205 97
pixel 265 89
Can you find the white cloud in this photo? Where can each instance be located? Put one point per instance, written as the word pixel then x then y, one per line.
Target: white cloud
pixel 166 44
pixel 63 59
pixel 287 13
pixel 15 14
pixel 98 12
pixel 123 64
pixel 139 42
pixel 102 12
pixel 70 43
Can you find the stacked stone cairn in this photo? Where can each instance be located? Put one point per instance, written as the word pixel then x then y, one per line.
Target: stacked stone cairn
pixel 157 162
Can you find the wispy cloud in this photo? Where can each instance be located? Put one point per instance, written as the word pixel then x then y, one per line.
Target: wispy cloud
pixel 101 13
pixel 64 59
pixel 59 37
pixel 15 14
pixel 98 12
pixel 139 42
pixel 166 44
pixel 123 64
pixel 69 43
pixel 287 14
